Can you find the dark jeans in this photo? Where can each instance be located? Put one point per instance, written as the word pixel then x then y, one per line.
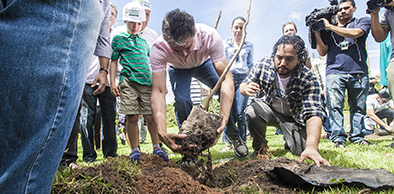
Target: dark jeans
pixel 180 83
pixel 97 129
pixel 70 154
pixel 88 114
pixel 259 115
pixel 238 108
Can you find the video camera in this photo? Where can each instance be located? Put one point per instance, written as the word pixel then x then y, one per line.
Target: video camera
pixel 315 24
pixel 313 19
pixel 375 4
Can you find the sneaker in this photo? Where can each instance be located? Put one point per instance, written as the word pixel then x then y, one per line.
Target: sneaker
pixel 365 142
pixel 239 147
pixel 166 152
pixel 158 151
pixel 225 149
pixel 135 157
pixel 254 154
pixel 340 144
pixel 74 165
pixel 391 145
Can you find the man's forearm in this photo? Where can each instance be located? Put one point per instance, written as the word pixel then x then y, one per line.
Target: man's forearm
pixel 104 62
pixel 379 121
pixel 112 71
pixel 158 101
pixel 378 32
pixel 227 97
pixel 313 130
pixel 322 49
pixel 159 111
pixel 346 32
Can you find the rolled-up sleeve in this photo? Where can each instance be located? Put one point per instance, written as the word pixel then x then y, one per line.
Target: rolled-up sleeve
pixel 103 46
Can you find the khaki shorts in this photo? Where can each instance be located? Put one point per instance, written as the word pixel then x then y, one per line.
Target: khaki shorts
pixel 134 98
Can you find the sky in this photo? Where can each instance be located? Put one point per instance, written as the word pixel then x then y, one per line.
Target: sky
pixel 266 20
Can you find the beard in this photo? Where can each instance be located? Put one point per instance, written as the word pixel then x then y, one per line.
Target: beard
pixel 285 73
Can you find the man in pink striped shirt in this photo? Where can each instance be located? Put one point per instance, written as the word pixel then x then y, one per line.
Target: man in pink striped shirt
pixel 192 50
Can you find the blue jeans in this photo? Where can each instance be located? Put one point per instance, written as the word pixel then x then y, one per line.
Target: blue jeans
pixel 326 120
pixel 357 86
pixel 180 82
pixel 88 120
pixel 239 108
pixel 44 59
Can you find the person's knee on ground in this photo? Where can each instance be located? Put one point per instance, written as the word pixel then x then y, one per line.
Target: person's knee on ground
pixel 257 133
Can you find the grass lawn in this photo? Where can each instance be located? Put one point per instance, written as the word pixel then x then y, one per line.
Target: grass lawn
pixel 353 156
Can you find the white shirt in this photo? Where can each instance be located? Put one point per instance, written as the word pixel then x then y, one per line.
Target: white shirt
pixel 279 101
pixel 373 103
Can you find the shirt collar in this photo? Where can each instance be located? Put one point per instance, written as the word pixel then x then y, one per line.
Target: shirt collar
pixel 127 35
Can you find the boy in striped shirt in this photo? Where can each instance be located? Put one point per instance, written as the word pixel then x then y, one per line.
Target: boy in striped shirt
pixel 135 83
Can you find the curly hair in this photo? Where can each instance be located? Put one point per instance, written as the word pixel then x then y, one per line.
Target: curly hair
pixel 177 27
pixel 297 42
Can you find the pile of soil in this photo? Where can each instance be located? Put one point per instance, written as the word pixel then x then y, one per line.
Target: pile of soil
pixel 153 175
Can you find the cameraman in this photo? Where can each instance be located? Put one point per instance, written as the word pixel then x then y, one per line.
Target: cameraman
pixel 380 31
pixel 344 44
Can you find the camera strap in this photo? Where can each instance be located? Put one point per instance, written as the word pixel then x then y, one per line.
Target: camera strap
pixel 347 42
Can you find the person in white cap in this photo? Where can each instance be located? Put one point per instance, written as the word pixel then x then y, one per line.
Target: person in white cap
pixel 135 83
pixel 146 33
pixel 150 36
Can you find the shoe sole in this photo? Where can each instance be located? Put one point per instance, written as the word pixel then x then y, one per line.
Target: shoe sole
pixel 236 153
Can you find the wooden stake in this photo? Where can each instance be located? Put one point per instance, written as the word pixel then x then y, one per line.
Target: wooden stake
pixel 219 83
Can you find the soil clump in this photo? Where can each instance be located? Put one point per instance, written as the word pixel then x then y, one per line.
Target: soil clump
pixel 200 128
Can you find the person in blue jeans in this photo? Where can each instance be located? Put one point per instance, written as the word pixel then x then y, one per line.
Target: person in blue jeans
pixel 344 44
pixel 193 50
pixel 44 49
pixel 107 111
pixel 240 69
pixel 70 155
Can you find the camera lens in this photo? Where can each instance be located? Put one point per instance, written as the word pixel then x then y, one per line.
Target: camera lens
pixel 380 3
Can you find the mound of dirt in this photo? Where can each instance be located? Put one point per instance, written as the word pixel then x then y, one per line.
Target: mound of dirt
pixel 153 175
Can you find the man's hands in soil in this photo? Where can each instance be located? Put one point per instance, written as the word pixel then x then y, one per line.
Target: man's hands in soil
pixel 169 140
pixel 315 156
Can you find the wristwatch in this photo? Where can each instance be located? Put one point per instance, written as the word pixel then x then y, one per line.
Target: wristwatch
pixel 104 69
